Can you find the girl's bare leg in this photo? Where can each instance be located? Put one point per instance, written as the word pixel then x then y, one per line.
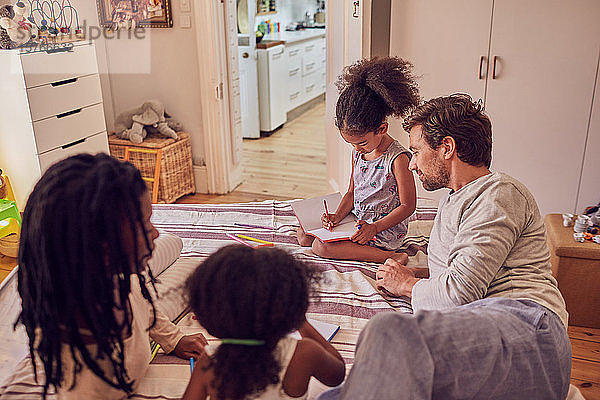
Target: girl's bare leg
pixel 347 250
pixel 304 240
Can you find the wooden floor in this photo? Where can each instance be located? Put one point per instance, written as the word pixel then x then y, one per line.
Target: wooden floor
pixel 291 164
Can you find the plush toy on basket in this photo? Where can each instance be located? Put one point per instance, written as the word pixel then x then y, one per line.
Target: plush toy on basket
pixel 150 117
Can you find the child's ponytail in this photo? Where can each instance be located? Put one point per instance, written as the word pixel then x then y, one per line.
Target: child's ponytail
pixel 372 89
pixel 243 371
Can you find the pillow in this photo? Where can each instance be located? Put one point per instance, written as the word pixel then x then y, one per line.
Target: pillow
pixel 167 248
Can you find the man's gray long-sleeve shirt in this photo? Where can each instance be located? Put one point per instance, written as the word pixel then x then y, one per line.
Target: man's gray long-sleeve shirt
pixel 488 240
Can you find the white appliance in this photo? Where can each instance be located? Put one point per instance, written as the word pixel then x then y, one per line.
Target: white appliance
pixel 248 86
pixel 247 67
pixel 272 73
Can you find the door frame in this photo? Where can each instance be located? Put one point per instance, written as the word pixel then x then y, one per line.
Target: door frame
pixel 223 172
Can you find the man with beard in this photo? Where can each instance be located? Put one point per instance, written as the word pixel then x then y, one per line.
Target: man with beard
pixel 489 321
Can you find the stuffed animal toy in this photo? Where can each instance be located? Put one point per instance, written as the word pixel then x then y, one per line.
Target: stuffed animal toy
pixel 16 29
pixel 134 124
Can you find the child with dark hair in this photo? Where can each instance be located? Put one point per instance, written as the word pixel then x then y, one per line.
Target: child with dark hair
pixel 252 299
pixel 382 192
pixel 86 239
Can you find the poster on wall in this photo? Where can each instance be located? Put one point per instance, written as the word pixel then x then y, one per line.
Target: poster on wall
pixel 130 14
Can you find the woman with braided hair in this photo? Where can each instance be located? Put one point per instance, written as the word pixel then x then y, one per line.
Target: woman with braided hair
pixel 85 243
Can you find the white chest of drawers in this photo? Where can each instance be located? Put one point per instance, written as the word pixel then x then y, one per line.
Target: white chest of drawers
pixel 50 108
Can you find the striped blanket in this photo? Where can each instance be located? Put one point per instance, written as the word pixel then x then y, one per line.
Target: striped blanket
pixel 346 297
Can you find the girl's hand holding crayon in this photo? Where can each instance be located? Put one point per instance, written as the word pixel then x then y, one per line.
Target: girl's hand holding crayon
pixel 364 232
pixel 328 221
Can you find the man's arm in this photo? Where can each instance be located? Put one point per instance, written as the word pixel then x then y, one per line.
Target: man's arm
pixel 488 230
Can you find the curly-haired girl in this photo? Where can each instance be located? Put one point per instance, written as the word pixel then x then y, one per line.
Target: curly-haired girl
pixel 382 192
pixel 252 299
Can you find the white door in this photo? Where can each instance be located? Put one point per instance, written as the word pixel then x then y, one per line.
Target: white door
pixel 448 48
pixel 539 94
pixel 248 88
pixel 447 45
pixel 344 47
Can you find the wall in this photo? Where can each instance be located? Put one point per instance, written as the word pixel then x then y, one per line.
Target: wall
pixel 164 66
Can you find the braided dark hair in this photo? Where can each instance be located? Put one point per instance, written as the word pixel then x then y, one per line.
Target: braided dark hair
pixel 74 268
pixel 245 293
pixel 371 90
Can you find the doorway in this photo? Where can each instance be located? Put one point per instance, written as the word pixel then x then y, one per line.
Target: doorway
pixel 285 159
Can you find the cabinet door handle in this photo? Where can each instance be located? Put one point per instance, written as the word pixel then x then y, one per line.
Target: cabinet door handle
pixel 277 55
pixel 494 76
pixel 66 114
pixel 245 55
pixel 65 82
pixel 481 60
pixel 59 49
pixel 66 146
pixel 294 71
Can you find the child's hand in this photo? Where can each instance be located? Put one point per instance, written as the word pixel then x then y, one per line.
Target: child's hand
pixel 364 233
pixel 328 221
pixel 191 346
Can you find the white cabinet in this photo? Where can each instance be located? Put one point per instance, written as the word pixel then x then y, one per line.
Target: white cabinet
pixel 52 109
pixel 306 73
pixel 533 64
pixel 272 84
pixel 289 78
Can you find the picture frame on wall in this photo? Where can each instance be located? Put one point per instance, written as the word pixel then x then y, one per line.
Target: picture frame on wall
pixel 135 13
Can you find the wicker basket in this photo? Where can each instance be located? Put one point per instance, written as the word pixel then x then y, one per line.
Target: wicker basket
pixel 176 173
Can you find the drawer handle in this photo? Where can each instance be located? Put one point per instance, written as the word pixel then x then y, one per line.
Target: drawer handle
pixel 66 146
pixel 294 52
pixel 293 96
pixel 310 66
pixel 66 114
pixel 60 49
pixel 309 48
pixel 309 88
pixel 294 71
pixel 65 82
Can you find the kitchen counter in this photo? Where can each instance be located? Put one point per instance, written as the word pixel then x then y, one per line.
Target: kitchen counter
pixel 290 37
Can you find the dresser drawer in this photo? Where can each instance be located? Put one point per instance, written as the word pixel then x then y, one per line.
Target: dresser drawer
pixel 294 56
pixel 57 131
pixel 93 144
pixel 312 85
pixel 51 100
pixel 296 98
pixel 309 66
pixel 45 67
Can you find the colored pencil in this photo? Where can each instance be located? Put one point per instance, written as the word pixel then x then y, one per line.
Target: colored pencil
pixel 327 212
pixel 191 364
pixel 255 240
pixel 154 352
pixel 253 226
pixel 238 240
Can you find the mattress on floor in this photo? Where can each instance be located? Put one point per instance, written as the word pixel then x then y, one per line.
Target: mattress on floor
pixel 346 296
